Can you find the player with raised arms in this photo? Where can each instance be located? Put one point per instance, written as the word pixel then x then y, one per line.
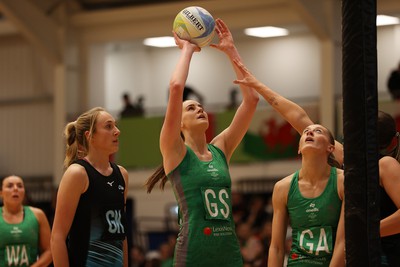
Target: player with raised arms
pixel 199 171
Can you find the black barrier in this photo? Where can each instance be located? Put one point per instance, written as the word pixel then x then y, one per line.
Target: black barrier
pixel 360 132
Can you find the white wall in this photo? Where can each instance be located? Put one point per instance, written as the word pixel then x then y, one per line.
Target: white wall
pixel 26 136
pixel 279 62
pixel 97 72
pixel 388 46
pixel 290 65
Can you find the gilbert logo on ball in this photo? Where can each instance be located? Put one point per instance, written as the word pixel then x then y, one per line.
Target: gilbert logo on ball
pixel 195 24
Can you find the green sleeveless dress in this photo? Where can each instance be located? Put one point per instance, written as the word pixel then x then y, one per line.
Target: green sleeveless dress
pixel 207 232
pixel 19 242
pixel 314 222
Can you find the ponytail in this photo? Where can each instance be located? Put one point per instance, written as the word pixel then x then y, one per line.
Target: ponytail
pixel 333 162
pixel 71 152
pixel 158 176
pixel 331 158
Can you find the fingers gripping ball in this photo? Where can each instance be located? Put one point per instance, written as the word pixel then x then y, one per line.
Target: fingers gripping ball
pixel 195 24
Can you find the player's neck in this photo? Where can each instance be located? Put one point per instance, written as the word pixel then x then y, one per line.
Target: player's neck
pixel 314 172
pixel 100 163
pixel 12 211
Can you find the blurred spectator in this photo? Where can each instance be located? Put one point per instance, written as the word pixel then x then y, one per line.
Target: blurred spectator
pixel 238 207
pixel 394 83
pixel 233 101
pixel 268 207
pixel 166 254
pixel 265 237
pixel 139 106
pixel 251 246
pixel 130 109
pixel 190 93
pixel 153 259
pixel 138 257
pixel 256 214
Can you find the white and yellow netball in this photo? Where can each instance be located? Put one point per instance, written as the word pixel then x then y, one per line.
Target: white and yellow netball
pixel 195 24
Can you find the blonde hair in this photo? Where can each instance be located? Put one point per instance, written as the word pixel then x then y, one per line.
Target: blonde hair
pixel 77 145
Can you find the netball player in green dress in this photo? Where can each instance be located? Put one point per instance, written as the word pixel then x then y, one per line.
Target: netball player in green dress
pixel 24 230
pixel 388 163
pixel 311 199
pixel 199 171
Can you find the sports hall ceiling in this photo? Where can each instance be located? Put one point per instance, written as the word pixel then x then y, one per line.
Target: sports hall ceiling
pixel 122 20
pixel 296 14
pixel 106 4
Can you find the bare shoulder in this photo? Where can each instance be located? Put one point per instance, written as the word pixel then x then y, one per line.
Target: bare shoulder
pixel 75 172
pixel 124 173
pixel 340 183
pixel 338 152
pixel 340 174
pixel 387 161
pixel 281 188
pixel 75 177
pixel 39 214
pixel 284 182
pixel 389 168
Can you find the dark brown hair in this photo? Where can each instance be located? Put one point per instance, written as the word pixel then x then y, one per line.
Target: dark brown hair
pixel 331 158
pixel 158 176
pixel 386 132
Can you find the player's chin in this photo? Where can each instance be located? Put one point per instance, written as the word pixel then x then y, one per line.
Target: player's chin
pixel 115 149
pixel 205 123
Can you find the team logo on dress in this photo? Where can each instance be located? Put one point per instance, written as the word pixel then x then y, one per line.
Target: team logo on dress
pixel 16 230
pixel 312 208
pixel 212 171
pixel 312 211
